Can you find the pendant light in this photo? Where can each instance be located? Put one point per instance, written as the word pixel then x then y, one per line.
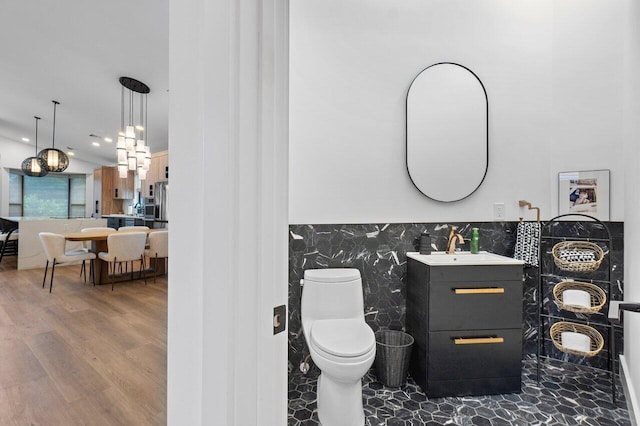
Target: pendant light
pixel 131 148
pixel 54 159
pixel 34 166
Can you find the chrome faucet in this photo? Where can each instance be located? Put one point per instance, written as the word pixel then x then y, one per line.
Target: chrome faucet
pixel 453 236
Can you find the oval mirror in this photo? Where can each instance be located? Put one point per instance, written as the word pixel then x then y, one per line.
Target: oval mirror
pixel 447 132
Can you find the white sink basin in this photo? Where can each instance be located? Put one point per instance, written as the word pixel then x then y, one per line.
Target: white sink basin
pixel 441 258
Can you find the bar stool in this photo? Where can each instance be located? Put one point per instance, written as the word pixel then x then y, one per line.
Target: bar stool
pixel 8 238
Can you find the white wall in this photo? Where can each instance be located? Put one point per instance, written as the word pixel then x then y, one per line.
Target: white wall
pixel 11 156
pixel 631 359
pixel 552 71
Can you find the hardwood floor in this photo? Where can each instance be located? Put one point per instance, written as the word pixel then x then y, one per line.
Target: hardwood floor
pixel 81 355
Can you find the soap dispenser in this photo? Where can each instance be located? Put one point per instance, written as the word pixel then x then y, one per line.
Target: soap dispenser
pixel 474 245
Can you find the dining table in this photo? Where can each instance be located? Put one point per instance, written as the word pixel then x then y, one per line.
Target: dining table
pixel 99 239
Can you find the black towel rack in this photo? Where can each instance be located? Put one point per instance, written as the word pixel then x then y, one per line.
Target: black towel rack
pixel 581 228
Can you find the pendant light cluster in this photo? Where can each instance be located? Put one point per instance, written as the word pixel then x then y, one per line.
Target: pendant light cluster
pixel 49 159
pixel 34 166
pixel 133 154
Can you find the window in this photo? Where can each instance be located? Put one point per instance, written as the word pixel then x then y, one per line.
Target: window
pixel 61 195
pixel 77 195
pixel 15 194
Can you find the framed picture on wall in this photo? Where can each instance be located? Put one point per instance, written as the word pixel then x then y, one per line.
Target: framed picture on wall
pixel 585 192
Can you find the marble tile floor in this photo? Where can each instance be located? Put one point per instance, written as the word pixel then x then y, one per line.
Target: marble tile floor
pixel 568 394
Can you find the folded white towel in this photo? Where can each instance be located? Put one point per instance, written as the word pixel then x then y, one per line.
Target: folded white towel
pixel 576 341
pixel 576 298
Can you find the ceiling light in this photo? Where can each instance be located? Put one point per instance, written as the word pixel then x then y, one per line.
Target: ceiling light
pixel 71 153
pixel 108 140
pixel 34 166
pixel 95 143
pixel 25 139
pixel 131 148
pixel 54 159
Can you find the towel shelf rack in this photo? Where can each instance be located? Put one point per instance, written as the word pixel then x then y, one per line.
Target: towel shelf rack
pixel 573 227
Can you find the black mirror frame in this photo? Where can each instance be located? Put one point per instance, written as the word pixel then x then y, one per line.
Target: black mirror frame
pixel 486 98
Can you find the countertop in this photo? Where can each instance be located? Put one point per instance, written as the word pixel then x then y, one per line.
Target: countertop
pixel 440 258
pixel 40 218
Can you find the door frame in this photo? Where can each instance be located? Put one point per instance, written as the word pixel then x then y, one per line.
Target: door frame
pixel 228 245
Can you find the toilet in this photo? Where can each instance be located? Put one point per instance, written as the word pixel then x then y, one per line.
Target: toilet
pixel 341 343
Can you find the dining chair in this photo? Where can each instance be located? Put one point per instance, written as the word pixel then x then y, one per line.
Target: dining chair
pixel 124 247
pixel 158 249
pixel 136 228
pixel 86 246
pixel 53 245
pixel 8 238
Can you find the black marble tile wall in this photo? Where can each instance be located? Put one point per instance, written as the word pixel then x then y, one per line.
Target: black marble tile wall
pixel 379 252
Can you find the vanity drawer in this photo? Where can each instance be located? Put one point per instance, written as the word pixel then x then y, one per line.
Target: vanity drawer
pixel 475 305
pixel 474 354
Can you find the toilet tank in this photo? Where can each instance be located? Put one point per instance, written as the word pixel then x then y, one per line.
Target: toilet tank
pixel 332 293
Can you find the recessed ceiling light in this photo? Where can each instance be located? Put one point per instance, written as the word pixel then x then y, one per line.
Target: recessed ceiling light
pixel 108 140
pixel 71 153
pixel 95 143
pixel 25 139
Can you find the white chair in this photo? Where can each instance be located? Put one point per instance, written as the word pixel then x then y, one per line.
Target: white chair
pixel 53 245
pixel 125 247
pixel 158 249
pixel 86 246
pixel 133 228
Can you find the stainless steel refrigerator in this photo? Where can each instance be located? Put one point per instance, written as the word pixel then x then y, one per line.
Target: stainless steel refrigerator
pixel 160 199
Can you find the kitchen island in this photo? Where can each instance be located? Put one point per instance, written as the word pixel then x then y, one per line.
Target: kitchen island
pixel 30 252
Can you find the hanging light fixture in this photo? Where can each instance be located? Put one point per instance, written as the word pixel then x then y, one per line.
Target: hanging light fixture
pixel 131 148
pixel 34 166
pixel 54 159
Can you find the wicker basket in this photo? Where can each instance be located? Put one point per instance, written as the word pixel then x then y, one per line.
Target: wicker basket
pixel 597 295
pixel 597 341
pixel 577 256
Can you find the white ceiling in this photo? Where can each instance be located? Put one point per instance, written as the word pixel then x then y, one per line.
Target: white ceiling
pixel 74 52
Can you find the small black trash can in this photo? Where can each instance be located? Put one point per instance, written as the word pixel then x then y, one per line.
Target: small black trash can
pixel 393 352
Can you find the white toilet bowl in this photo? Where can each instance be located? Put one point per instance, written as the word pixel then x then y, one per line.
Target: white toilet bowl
pixel 342 345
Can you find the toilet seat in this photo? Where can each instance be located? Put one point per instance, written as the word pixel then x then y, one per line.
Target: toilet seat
pixel 343 338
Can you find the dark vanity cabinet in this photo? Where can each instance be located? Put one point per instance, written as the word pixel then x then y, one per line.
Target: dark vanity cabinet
pixel 467 324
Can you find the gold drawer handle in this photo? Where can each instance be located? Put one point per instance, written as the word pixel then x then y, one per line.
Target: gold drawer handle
pixel 485 290
pixel 477 340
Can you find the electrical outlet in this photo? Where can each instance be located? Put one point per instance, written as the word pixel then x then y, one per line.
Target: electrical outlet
pixel 498 211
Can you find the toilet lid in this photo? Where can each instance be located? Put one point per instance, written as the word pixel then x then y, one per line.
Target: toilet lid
pixel 343 337
pixel 332 275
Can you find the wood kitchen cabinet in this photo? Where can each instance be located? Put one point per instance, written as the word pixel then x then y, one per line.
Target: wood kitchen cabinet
pixel 123 188
pixel 467 326
pixel 158 172
pixel 113 189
